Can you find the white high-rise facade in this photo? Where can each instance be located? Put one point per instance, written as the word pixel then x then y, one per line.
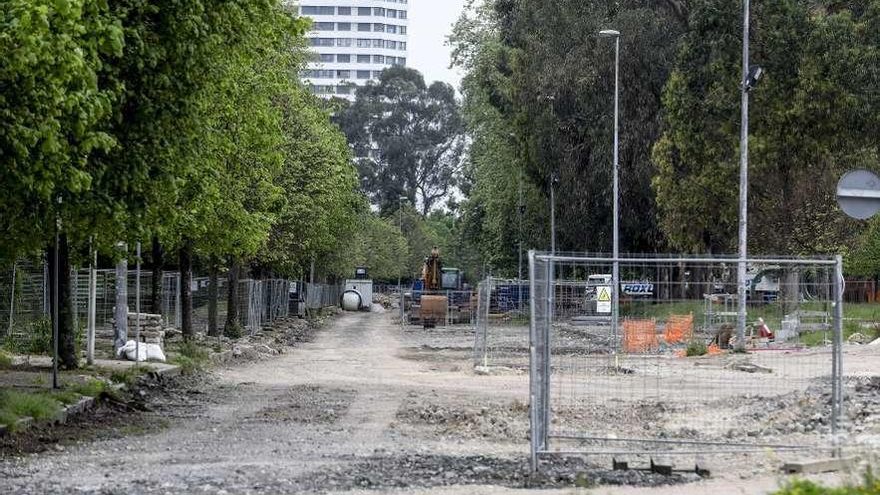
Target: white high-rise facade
pixel 353 41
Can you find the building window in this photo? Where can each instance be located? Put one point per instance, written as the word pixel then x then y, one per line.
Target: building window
pixel 363 59
pixel 324 26
pixel 343 42
pixel 378 59
pixel 401 45
pixel 343 58
pixel 379 12
pixel 364 11
pixel 401 14
pixel 343 90
pixel 391 45
pixel 363 27
pixel 377 74
pixel 378 43
pixel 343 26
pixel 391 28
pixel 323 90
pixel 326 57
pixel 311 10
pixel 364 43
pixel 379 28
pixel 344 10
pixel 363 74
pixel 392 14
pixel 343 74
pixel 321 41
pixel 401 29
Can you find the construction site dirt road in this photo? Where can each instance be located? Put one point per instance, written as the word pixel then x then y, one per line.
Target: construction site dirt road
pixel 367 407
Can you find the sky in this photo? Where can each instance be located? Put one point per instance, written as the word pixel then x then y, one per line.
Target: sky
pixel 430 21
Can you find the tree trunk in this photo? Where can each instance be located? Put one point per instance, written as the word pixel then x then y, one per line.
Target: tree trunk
pixel 232 323
pixel 790 290
pixel 186 327
pixel 156 289
pixel 66 325
pixel 212 299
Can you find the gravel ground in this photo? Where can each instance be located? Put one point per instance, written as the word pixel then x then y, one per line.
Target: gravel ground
pixel 363 406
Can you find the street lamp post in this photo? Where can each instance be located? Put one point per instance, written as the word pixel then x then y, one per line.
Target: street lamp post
pixel 400 201
pixel 751 75
pixel 615 273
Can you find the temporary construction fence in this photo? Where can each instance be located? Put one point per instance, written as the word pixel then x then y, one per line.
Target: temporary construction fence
pixel 632 390
pixel 25 302
pixel 501 331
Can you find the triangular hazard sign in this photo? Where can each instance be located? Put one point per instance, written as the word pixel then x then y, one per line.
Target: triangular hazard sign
pixel 604 295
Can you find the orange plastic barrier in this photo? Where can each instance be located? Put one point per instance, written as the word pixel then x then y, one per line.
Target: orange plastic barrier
pixel 679 328
pixel 640 336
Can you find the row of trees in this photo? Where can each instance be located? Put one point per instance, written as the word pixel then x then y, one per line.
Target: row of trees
pixel 181 124
pixel 538 102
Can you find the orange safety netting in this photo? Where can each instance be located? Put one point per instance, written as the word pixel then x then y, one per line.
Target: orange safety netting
pixel 679 328
pixel 640 336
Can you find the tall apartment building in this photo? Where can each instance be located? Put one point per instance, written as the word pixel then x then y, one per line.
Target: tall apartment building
pixel 353 41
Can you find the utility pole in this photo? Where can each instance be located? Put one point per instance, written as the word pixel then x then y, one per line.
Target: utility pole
pixel 743 188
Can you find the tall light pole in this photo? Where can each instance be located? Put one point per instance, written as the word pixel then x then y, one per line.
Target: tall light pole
pixel 751 75
pixel 615 273
pixel 400 201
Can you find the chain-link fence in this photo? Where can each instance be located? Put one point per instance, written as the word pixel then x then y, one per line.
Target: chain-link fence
pixel 501 324
pixel 25 303
pixel 674 376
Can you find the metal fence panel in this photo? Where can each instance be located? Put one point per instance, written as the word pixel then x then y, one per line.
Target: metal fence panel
pixel 600 390
pixel 501 336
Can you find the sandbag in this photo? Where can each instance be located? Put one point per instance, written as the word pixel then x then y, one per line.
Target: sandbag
pixel 144 352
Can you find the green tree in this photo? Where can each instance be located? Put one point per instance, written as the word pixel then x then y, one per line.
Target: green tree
pixel 407 137
pixel 54 121
pixel 810 120
pixel 538 93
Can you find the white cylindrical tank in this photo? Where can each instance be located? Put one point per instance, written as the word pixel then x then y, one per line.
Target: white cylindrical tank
pixel 351 300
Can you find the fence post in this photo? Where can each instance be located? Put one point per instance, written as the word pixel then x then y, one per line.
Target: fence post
pixel 11 300
pixel 837 359
pixel 92 305
pixel 121 328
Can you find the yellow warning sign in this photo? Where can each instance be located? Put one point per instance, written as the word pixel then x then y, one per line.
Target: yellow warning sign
pixel 604 294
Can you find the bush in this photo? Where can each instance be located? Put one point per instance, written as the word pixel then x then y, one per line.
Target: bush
pixel 35 337
pixel 696 348
pixel 233 330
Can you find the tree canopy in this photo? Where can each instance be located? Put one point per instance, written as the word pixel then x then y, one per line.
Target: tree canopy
pixel 407 137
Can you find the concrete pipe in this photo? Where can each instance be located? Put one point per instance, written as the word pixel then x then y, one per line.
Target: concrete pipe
pixel 351 300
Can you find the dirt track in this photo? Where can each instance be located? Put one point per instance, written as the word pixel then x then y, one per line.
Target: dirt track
pixel 362 407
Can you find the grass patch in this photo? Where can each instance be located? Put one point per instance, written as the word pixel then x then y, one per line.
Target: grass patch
pixel 870 486
pixel 5 360
pixel 191 358
pixel 91 388
pixel 128 376
pixel 15 405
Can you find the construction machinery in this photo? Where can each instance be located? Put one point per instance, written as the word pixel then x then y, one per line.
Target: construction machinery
pixel 439 296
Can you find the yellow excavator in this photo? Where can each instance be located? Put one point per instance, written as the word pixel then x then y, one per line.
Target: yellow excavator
pixel 433 305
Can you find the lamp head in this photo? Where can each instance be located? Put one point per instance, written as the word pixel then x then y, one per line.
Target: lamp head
pixel 609 33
